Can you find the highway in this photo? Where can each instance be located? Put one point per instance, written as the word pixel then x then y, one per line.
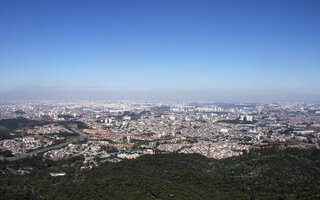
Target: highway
pixel 81 137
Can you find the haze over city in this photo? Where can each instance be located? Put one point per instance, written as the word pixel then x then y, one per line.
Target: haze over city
pixel 160 50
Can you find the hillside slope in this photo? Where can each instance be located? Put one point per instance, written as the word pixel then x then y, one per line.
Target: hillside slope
pixel 289 174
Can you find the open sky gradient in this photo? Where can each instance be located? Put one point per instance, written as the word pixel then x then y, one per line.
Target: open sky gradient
pixel 224 50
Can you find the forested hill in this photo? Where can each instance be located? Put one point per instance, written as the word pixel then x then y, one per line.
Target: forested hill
pixel 289 174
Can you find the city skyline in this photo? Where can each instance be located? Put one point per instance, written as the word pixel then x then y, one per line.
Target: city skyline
pixel 160 50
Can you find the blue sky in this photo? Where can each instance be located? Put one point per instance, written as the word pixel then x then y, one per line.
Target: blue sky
pixel 187 50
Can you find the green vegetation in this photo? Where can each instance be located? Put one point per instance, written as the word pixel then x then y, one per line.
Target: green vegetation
pixel 20 112
pixel 8 126
pixel 264 174
pixel 71 123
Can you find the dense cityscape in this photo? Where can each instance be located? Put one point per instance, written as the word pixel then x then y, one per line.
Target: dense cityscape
pixel 112 131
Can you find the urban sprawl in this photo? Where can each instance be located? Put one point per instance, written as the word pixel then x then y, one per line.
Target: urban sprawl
pixel 112 131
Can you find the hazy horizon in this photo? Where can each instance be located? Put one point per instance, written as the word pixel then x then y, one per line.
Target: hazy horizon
pixel 250 51
pixel 264 96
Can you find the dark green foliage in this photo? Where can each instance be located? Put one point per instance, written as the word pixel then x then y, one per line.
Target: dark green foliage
pixel 21 112
pixel 79 124
pixel 65 116
pixel 66 134
pixel 20 123
pixel 6 153
pixel 9 125
pixel 267 174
